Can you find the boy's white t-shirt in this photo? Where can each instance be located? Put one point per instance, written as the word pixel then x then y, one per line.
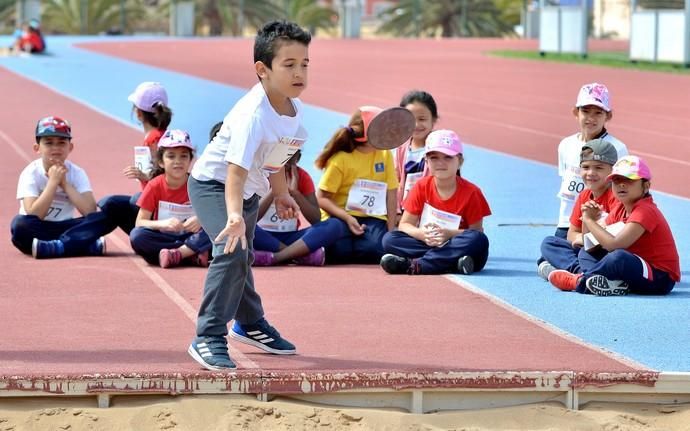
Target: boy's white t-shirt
pixel 569 169
pixel 249 132
pixel 34 179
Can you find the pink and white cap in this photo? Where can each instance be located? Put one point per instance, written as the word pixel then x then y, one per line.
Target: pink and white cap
pixel 175 138
pixel 148 95
pixel 631 167
pixel 594 94
pixel 444 141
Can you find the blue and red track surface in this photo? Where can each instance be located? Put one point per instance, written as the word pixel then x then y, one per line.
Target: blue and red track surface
pixel 115 314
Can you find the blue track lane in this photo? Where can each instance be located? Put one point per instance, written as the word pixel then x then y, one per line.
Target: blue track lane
pixel 654 331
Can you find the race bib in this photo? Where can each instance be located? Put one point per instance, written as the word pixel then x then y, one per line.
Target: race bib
pixel 272 223
pixel 142 159
pixel 410 181
pixel 368 197
pixel 168 210
pixel 571 186
pixel 60 208
pixel 446 220
pixel 281 153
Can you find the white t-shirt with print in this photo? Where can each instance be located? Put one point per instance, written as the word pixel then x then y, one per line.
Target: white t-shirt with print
pixel 249 133
pixel 34 179
pixel 569 170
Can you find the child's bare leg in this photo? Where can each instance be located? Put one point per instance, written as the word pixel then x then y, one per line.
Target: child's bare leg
pixel 296 249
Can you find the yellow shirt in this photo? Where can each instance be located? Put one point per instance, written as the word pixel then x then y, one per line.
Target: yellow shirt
pixel 344 168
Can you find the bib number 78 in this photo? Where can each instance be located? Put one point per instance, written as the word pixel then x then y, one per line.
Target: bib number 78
pixel 368 200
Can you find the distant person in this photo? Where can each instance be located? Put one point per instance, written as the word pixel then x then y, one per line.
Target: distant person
pixel 642 257
pixel 277 240
pixel 441 229
pixel 357 193
pixel 31 39
pixel 246 159
pixel 150 105
pixel 167 231
pixel 409 157
pixel 49 191
pixel 596 162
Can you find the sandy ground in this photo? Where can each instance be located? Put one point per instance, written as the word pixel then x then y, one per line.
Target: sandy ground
pixel 246 413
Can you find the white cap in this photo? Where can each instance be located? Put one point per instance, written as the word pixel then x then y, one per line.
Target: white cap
pixel 148 95
pixel 594 94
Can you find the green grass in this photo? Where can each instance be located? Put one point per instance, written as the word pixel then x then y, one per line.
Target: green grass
pixel 606 59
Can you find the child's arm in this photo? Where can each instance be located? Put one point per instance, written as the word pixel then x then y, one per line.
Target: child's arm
pixel 627 237
pixel 286 207
pixel 391 208
pixel 235 228
pixel 575 236
pixel 39 206
pixel 144 220
pixel 84 202
pixel 265 204
pixel 408 225
pixel 326 203
pixel 307 203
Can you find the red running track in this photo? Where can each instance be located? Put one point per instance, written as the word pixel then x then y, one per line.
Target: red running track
pixel 514 106
pixel 115 314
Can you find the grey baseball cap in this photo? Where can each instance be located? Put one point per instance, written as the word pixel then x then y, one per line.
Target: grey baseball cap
pixel 601 151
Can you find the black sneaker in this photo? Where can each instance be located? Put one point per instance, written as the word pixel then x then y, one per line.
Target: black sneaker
pixel 602 286
pixel 211 353
pixel 393 264
pixel 263 336
pixel 465 265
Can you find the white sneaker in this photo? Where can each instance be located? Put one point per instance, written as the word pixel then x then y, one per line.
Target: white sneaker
pixel 602 286
pixel 544 269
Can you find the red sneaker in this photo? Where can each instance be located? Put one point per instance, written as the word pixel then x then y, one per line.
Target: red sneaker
pixel 169 257
pixel 564 280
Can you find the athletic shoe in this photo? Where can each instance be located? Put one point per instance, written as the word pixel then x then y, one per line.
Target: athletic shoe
pixel 544 269
pixel 169 257
pixel 564 280
pixel 393 264
pixel 263 336
pixel 263 258
pixel 466 265
pixel 97 248
pixel 315 258
pixel 602 286
pixel 46 249
pixel 211 353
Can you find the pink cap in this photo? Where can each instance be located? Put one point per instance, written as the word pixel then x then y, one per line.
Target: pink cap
pixel 594 94
pixel 368 113
pixel 631 167
pixel 148 95
pixel 444 141
pixel 175 138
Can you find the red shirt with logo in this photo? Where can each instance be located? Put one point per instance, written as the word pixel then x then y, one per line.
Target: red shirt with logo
pixel 468 201
pixel 157 190
pixel 607 200
pixel 656 245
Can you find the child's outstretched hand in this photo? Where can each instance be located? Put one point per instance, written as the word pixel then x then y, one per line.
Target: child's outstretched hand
pixel 355 227
pixel 286 207
pixel 234 231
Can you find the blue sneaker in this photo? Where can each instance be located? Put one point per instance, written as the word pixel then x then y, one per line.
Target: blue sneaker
pixel 211 353
pixel 97 248
pixel 263 336
pixel 46 249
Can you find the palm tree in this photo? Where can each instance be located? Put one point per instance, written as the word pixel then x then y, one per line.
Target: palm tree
pixel 7 11
pixel 87 17
pixel 310 14
pixel 451 18
pixel 234 15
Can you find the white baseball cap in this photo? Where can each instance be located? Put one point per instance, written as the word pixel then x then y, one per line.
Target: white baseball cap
pixel 594 94
pixel 148 95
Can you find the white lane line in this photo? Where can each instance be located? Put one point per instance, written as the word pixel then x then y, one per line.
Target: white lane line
pixel 238 357
pixel 15 146
pixel 547 326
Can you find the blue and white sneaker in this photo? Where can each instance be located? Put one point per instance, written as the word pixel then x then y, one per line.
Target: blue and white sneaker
pixel 211 353
pixel 97 248
pixel 263 336
pixel 41 249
